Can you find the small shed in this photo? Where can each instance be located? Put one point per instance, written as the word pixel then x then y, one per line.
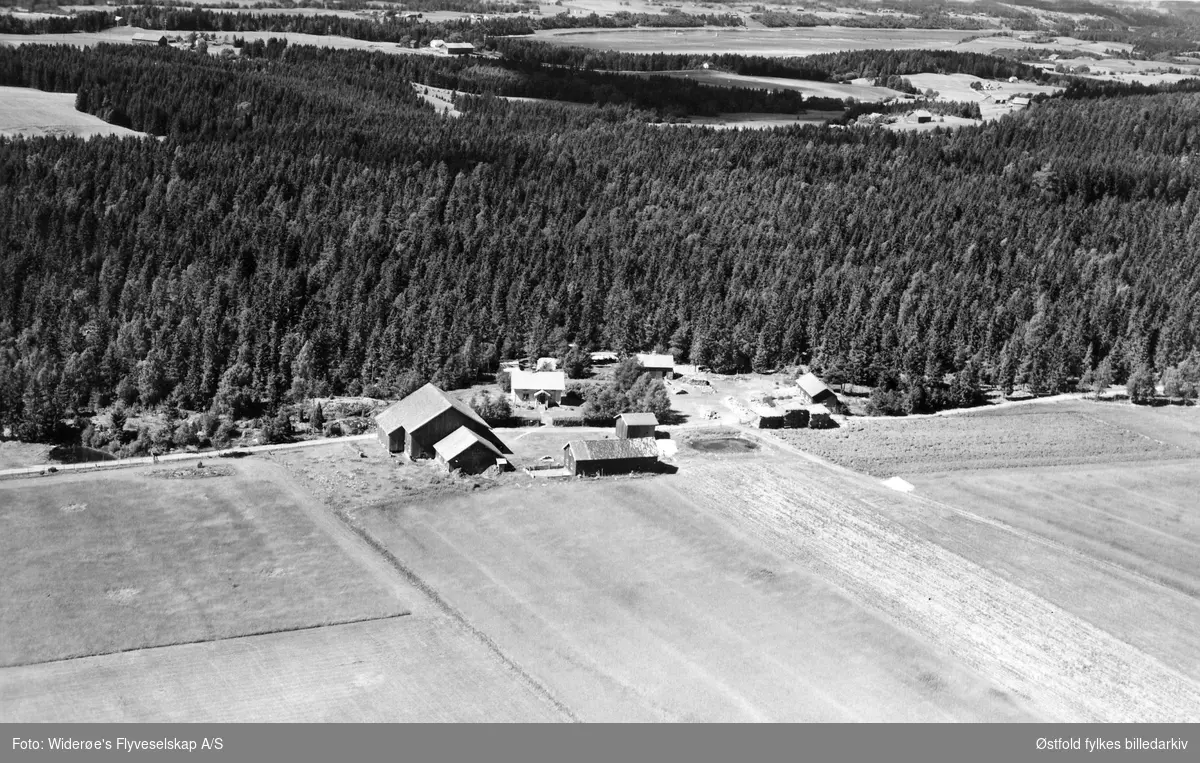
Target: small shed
pixel 633 425
pixel 1020 101
pixel 658 366
pixel 921 116
pixel 459 48
pixel 466 451
pixel 819 417
pixel 591 458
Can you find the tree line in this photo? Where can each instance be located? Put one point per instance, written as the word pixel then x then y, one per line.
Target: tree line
pixel 308 226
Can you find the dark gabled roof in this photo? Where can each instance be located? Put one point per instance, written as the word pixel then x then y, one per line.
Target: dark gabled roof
pixel 421 407
pixel 813 386
pixel 457 442
pixel 639 419
pixel 612 450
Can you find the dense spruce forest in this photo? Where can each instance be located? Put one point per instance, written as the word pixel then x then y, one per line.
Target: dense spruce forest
pixel 307 225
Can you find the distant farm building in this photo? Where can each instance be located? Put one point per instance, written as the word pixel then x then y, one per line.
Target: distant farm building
pixel 466 451
pixel 146 38
pixel 544 388
pixel 819 417
pixel 603 356
pixel 590 458
pixel 437 44
pixel 425 418
pixel 921 116
pixel 459 48
pixel 658 366
pixel 1020 102
pixel 634 425
pixel 813 391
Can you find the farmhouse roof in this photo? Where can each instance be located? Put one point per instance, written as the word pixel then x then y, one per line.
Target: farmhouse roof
pixel 811 385
pixel 818 409
pixel 612 450
pixel 922 113
pixel 455 443
pixel 639 419
pixel 656 362
pixel 539 380
pixel 1020 101
pixel 421 407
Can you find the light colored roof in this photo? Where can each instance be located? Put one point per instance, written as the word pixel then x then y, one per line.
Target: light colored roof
pixel 147 37
pixel 812 385
pixel 818 410
pixel 459 46
pixel 921 113
pixel 649 360
pixel 639 419
pixel 608 450
pixel 604 355
pixel 547 364
pixel 539 380
pixel 458 441
pixel 420 408
pixel 1020 101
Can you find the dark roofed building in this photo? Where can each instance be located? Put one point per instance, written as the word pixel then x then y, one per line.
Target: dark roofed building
pixel 814 391
pixel 466 451
pixel 426 417
pixel 597 457
pixel 631 425
pixel 459 48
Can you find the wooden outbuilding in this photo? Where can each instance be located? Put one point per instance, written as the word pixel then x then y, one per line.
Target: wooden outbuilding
pixel 458 48
pixel 819 417
pixel 591 458
pixel 416 423
pixel 813 391
pixel 633 425
pixel 466 451
pixel 658 366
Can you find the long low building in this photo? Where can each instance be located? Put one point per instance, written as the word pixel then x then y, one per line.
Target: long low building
pixel 592 458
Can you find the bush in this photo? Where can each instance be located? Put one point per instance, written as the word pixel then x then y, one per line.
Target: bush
pixel 332 429
pixel 1141 386
pixel 493 410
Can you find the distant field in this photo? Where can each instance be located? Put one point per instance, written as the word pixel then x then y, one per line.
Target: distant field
pixel 1066 433
pixel 25 111
pixel 762 42
pixel 105 562
pixel 810 88
pixel 15 454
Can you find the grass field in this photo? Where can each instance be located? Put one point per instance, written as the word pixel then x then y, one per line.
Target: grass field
pixel 29 112
pixel 811 88
pixel 760 42
pixel 99 563
pixel 1077 432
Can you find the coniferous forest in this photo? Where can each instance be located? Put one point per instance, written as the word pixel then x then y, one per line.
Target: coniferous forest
pixel 303 223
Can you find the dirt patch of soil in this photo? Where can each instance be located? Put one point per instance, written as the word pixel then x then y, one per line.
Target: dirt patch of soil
pixel 723 445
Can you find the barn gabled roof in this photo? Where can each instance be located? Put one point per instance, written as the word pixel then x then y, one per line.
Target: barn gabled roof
pixel 812 386
pixel 639 419
pixel 421 407
pixel 655 362
pixel 457 442
pixel 611 450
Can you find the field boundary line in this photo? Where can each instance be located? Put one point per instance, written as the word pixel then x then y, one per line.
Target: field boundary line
pixel 451 611
pixel 192 642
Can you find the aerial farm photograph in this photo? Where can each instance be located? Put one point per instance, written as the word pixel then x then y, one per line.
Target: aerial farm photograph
pixel 468 361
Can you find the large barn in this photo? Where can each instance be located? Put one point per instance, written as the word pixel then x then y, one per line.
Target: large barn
pixel 424 418
pixel 813 391
pixel 591 458
pixel 467 452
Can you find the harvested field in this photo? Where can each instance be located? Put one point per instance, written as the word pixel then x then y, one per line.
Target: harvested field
pixel 29 112
pixel 811 88
pixel 1065 633
pixel 1077 432
pixel 408 669
pixel 99 563
pixel 629 601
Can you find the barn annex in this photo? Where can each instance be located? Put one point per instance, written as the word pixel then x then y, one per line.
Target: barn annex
pixel 813 391
pixel 658 366
pixel 426 417
pixel 467 452
pixel 591 458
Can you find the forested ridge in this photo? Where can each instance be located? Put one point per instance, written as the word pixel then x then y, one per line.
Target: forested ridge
pixel 308 226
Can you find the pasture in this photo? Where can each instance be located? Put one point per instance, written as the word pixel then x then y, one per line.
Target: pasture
pixel 33 113
pixel 128 559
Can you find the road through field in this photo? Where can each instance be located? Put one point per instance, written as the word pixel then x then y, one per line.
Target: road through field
pixel 1062 664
